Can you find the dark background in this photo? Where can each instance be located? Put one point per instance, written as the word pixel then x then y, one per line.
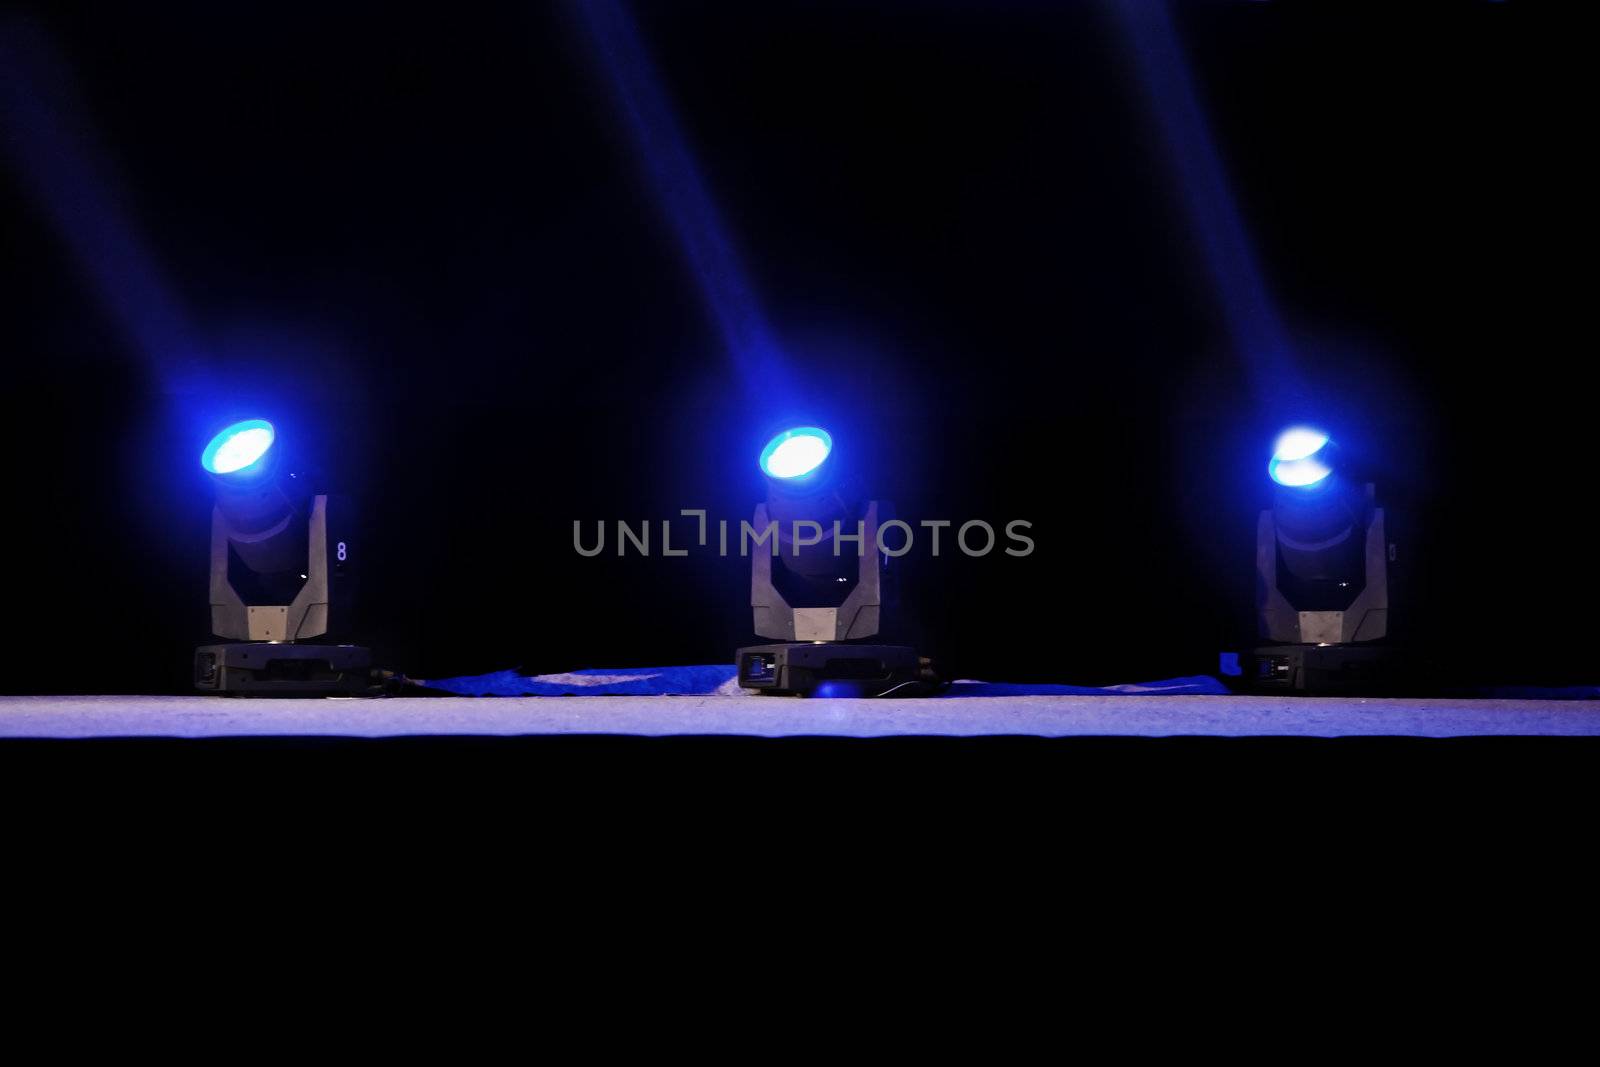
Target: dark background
pixel 420 240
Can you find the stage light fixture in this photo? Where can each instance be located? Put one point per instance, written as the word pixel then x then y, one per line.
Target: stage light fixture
pixel 818 585
pixel 1322 573
pixel 282 572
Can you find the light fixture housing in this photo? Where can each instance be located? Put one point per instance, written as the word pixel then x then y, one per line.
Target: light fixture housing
pixel 818 595
pixel 282 572
pixel 1322 572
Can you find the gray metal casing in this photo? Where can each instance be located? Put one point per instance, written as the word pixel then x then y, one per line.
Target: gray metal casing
pixel 1367 617
pixel 280 669
pixel 857 617
pixel 308 615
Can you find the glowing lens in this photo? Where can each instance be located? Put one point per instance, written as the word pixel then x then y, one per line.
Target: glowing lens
pixel 239 447
pixel 1298 443
pixel 796 453
pixel 1295 461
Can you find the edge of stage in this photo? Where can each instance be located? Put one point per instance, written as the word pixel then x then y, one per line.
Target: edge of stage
pixel 1023 715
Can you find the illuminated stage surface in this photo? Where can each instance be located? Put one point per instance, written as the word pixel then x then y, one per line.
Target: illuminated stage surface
pixel 703 701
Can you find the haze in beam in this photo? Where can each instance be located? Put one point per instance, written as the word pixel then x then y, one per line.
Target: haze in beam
pixel 1252 320
pixel 50 145
pixel 682 196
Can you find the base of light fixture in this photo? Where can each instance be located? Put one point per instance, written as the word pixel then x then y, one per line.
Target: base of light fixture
pixel 1316 669
pixel 836 669
pixel 266 668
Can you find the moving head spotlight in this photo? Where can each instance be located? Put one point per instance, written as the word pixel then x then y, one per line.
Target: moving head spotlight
pixel 281 573
pixel 817 583
pixel 1322 573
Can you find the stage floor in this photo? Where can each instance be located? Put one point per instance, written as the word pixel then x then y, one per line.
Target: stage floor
pixel 1040 715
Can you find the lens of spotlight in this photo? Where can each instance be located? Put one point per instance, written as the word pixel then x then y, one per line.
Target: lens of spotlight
pixel 1300 458
pixel 239 449
pixel 258 514
pixel 796 453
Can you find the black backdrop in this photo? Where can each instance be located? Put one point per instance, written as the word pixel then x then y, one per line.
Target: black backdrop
pixel 419 239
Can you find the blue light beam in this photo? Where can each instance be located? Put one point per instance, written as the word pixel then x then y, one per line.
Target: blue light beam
pixel 682 196
pixel 49 145
pixel 1247 308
